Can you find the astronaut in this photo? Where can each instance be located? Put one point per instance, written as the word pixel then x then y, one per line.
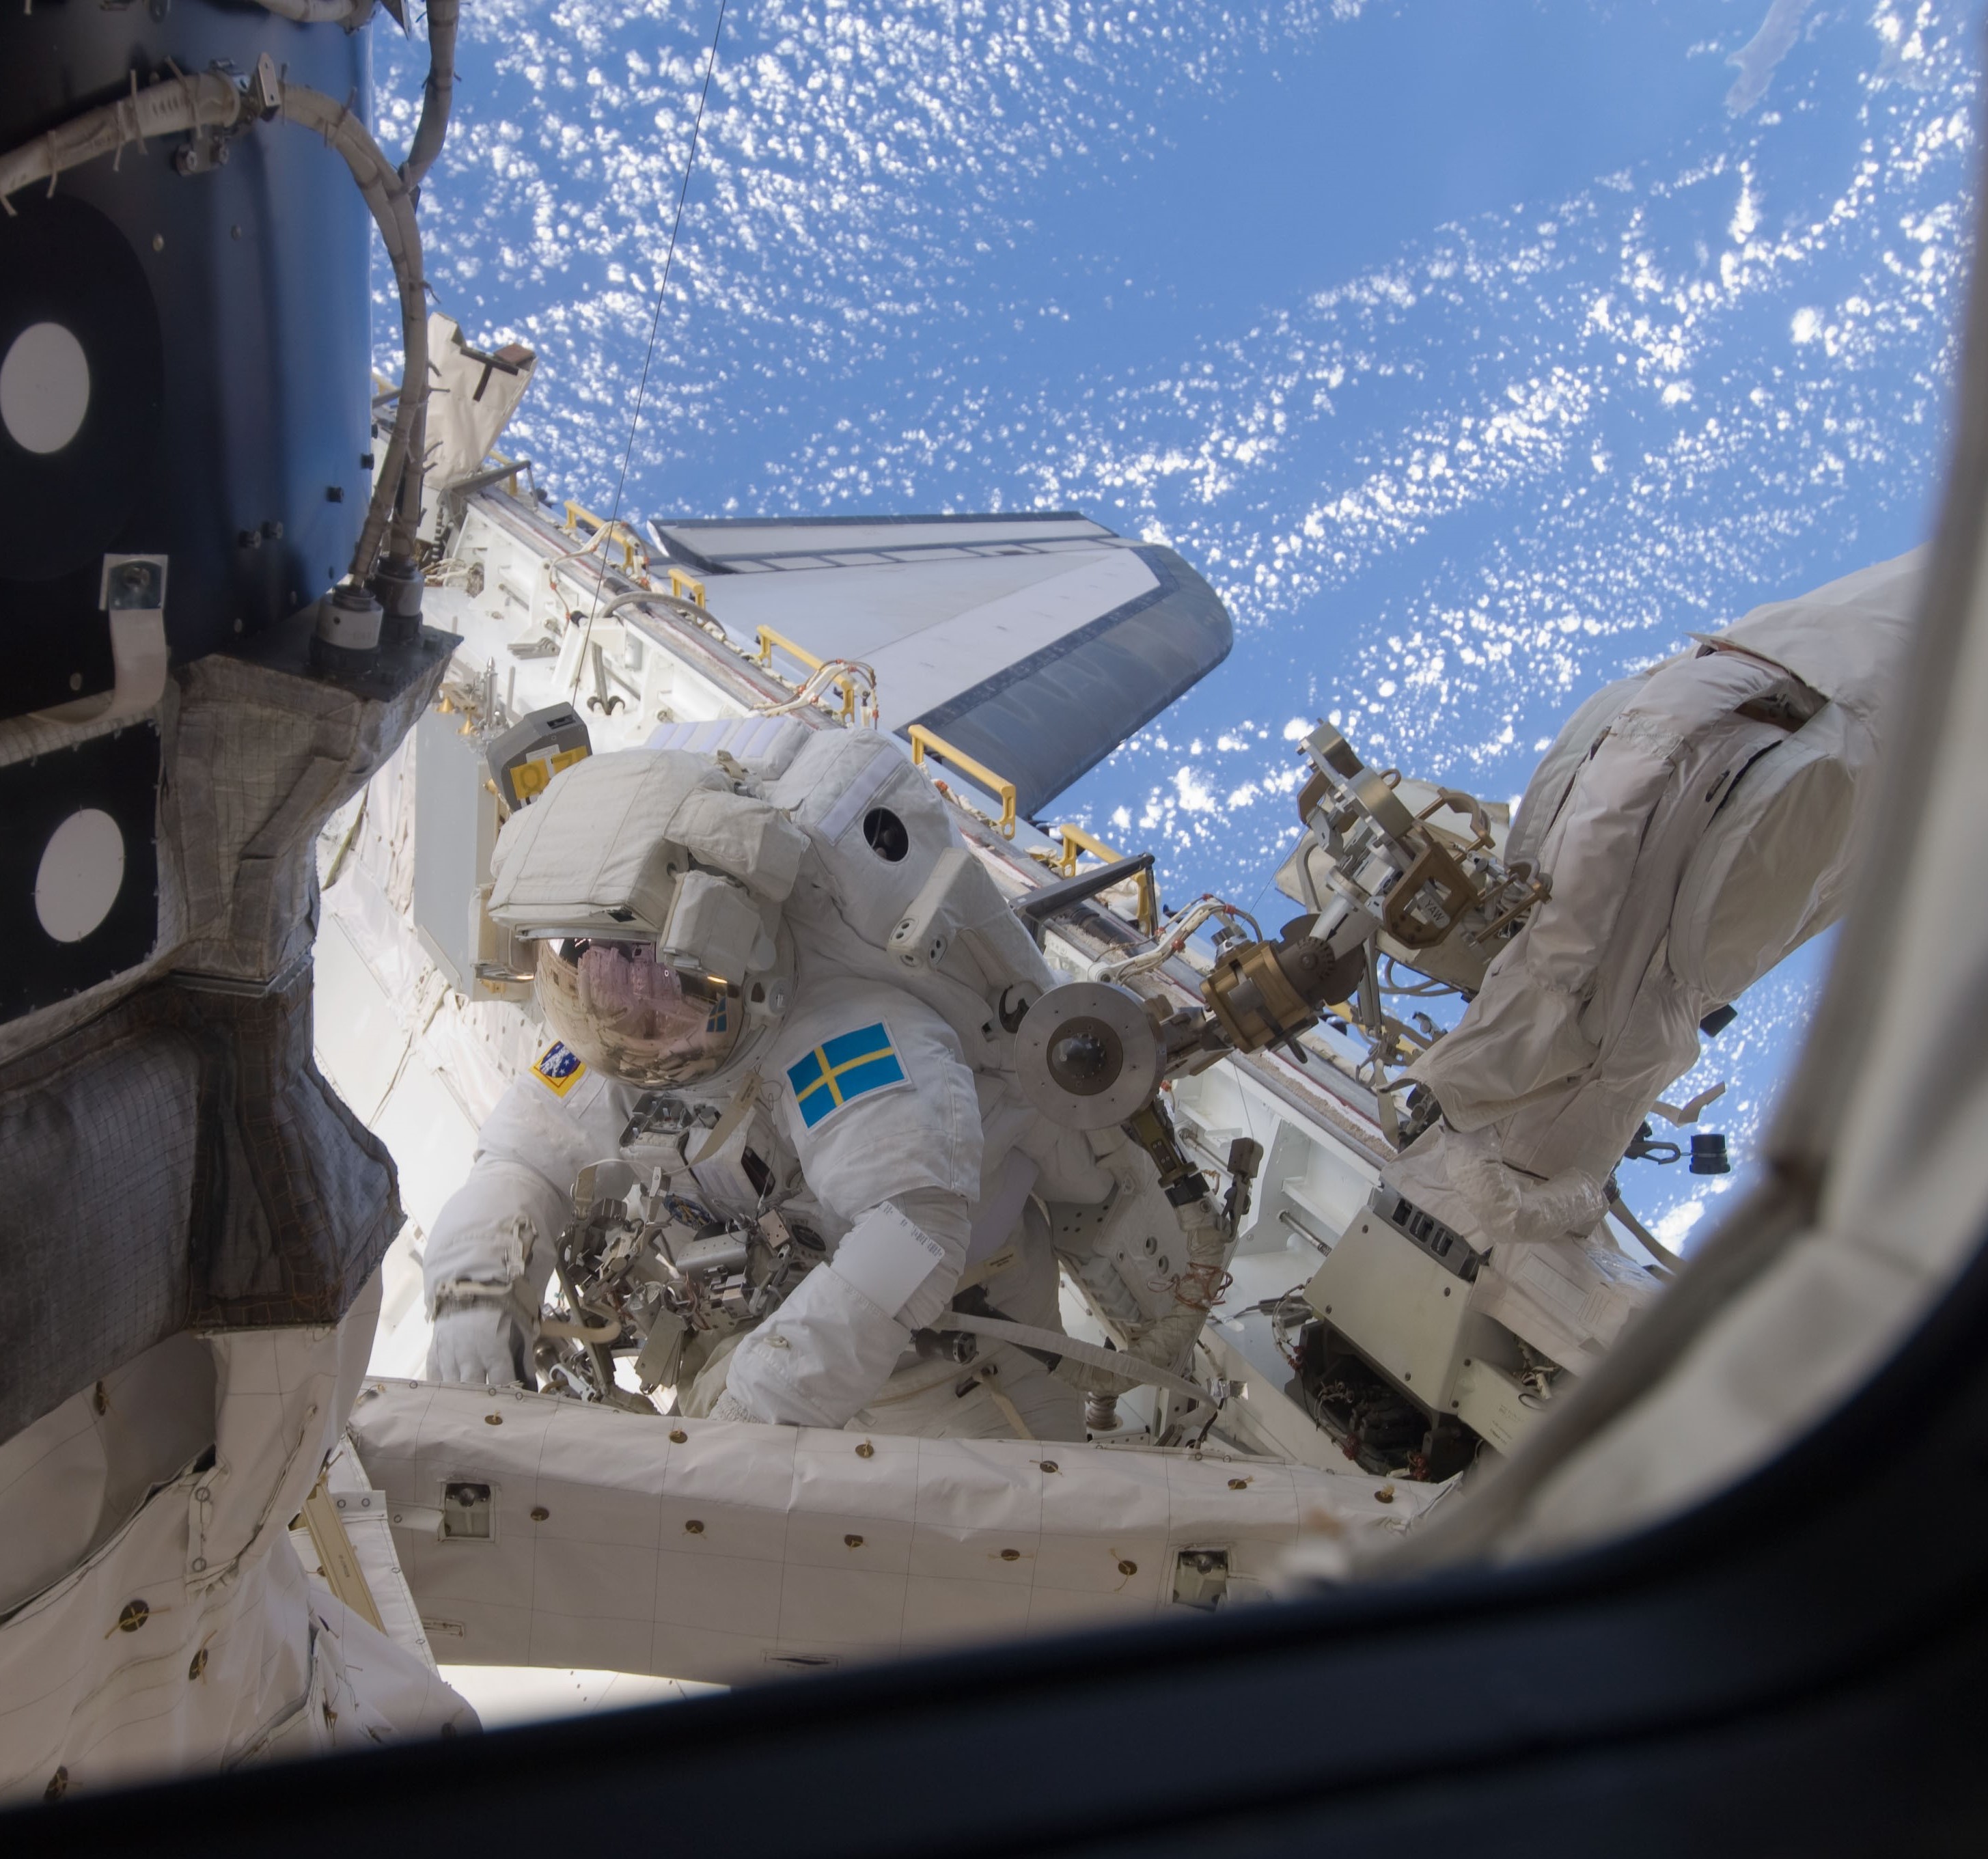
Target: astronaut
pixel 794 966
pixel 1698 823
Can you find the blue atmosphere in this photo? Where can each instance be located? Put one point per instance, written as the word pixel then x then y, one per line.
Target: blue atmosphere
pixel 1475 350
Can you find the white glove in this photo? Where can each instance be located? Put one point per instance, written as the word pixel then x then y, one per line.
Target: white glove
pixel 481 1343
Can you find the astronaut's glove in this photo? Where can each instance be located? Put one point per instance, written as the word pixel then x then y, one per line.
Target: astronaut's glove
pixel 481 1342
pixel 731 1408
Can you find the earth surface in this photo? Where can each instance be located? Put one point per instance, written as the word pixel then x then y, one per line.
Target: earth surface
pixel 1477 351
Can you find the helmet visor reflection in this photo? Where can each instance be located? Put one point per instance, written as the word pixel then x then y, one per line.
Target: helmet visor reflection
pixel 629 1014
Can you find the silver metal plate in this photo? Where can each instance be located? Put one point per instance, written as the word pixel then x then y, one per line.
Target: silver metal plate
pixel 1086 1055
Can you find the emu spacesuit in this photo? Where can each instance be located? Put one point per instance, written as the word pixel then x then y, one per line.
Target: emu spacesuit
pixel 1698 823
pixel 865 1093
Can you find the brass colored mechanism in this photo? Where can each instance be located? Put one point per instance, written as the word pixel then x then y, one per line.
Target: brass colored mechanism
pixel 1266 993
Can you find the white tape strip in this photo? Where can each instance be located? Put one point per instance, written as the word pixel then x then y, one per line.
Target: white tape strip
pixel 856 798
pixel 886 1257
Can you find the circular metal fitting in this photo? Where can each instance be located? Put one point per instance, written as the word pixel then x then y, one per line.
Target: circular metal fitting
pixel 1086 1055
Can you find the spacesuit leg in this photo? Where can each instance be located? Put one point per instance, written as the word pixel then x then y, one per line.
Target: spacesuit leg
pixel 1030 1292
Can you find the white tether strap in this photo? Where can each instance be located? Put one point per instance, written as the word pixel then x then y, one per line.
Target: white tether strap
pixel 1127 1367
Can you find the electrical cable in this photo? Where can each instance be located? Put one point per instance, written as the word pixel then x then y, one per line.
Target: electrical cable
pixel 655 324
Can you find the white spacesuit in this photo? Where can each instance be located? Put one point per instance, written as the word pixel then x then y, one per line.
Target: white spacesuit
pixel 861 1087
pixel 1698 823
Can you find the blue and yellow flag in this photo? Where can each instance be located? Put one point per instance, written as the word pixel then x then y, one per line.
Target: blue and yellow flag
pixel 840 1070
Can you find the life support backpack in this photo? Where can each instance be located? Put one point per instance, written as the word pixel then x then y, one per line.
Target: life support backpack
pixel 889 886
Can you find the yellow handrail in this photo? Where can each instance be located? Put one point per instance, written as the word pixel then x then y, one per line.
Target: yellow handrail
pixel 679 581
pixel 1075 842
pixel 924 742
pixel 770 640
pixel 632 547
pixel 511 482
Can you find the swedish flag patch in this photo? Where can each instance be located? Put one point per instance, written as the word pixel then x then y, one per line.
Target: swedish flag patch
pixel 840 1070
pixel 560 1068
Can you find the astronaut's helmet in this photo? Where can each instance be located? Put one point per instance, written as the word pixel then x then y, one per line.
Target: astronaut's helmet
pixel 629 1013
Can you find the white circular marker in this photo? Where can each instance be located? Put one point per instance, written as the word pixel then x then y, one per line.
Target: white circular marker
pixel 44 388
pixel 81 873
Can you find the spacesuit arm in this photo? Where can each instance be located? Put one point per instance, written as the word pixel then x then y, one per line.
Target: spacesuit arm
pixel 484 1272
pixel 490 1252
pixel 495 1230
pixel 833 1342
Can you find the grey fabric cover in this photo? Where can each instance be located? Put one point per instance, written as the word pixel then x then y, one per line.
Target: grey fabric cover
pixel 179 1162
pixel 169 1157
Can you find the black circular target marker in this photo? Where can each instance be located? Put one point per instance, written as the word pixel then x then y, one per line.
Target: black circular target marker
pixel 70 282
pixel 78 867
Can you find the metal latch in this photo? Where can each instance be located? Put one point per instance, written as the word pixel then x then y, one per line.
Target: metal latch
pixel 468 1512
pixel 1201 1578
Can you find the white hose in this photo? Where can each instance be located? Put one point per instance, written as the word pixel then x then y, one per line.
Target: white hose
pixel 209 101
pixel 392 204
pixel 1123 1369
pixel 437 94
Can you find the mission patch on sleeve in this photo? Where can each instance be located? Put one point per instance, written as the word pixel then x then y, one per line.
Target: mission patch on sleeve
pixel 852 1065
pixel 559 1068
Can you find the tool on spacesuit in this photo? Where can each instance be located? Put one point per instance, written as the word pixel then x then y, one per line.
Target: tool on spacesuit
pixel 644 1265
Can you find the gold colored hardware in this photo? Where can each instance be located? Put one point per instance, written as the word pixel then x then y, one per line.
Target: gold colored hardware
pixel 924 743
pixel 343 1574
pixel 1253 998
pixel 1432 865
pixel 511 482
pixel 686 587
